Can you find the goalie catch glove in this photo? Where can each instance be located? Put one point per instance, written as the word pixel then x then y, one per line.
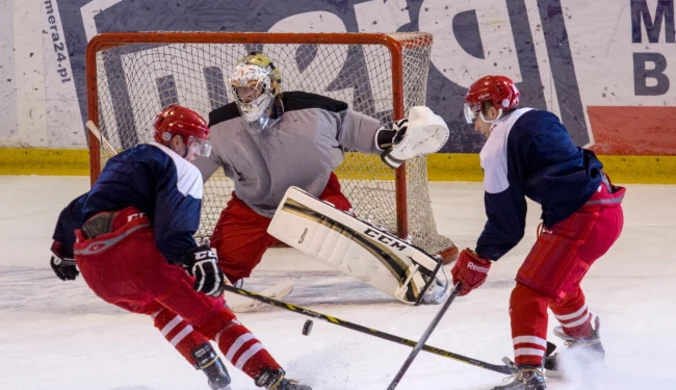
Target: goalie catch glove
pixel 421 132
pixel 64 266
pixel 202 264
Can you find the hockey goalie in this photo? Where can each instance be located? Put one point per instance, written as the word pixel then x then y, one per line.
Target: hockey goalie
pixel 268 140
pixel 358 249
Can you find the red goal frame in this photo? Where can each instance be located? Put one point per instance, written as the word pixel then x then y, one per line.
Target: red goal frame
pixel 109 40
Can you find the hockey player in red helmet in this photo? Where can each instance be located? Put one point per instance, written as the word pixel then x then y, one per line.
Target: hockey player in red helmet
pixel 529 154
pixel 131 236
pixel 191 128
pixel 498 91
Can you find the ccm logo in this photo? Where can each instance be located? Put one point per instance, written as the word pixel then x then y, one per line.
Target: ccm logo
pixel 385 239
pixel 135 216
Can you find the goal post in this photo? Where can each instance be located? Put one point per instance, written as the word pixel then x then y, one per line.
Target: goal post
pixel 131 76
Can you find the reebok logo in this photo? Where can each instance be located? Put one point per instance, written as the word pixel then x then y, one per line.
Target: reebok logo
pixel 477 268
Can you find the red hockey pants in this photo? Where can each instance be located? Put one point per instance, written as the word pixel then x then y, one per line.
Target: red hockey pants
pixel 125 268
pixel 550 276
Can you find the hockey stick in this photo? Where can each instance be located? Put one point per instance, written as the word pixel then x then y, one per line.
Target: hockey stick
pixel 104 142
pixel 425 336
pixel 503 369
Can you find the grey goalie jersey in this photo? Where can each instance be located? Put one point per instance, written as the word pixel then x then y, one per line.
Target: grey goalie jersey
pixel 301 149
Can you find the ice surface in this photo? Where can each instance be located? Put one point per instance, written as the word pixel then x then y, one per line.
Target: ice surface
pixel 59 336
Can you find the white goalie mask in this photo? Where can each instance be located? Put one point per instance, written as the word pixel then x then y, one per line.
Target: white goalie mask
pixel 255 83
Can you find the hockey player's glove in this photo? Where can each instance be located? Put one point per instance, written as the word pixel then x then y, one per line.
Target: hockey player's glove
pixel 202 263
pixel 64 266
pixel 470 269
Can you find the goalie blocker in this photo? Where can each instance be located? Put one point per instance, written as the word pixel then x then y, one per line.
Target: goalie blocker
pixel 358 249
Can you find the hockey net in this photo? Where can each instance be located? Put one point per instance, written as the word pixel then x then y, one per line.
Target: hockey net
pixel 132 76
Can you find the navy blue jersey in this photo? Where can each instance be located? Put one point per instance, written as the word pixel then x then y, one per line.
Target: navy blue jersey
pixel 69 220
pixel 152 178
pixel 530 154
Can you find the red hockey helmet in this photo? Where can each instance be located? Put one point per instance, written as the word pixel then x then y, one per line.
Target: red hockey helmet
pixel 499 90
pixel 179 120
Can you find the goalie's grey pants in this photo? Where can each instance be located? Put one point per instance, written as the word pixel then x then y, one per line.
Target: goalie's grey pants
pixel 240 236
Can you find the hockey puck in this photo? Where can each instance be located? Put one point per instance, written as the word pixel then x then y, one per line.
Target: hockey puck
pixel 307 327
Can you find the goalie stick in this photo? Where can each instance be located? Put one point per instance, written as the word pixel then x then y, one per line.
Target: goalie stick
pixel 102 140
pixel 502 369
pixel 241 304
pixel 425 336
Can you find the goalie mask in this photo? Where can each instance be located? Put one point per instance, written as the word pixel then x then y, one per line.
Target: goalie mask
pixel 255 83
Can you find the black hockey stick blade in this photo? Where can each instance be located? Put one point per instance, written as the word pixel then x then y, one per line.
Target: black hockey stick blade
pixel 502 369
pixel 425 336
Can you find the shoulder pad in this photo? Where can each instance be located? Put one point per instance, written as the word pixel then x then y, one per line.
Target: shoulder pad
pixel 297 100
pixel 222 114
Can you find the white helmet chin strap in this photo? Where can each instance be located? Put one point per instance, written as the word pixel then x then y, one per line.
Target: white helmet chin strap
pixel 481 114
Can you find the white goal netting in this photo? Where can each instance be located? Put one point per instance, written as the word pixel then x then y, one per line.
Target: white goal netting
pixel 136 78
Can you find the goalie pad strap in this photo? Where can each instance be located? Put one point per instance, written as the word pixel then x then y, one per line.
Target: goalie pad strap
pixel 389 160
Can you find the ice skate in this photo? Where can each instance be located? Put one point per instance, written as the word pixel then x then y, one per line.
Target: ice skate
pixel 526 378
pixel 589 349
pixel 275 380
pixel 212 366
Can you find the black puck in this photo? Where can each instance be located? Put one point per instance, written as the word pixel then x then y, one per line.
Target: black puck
pixel 307 327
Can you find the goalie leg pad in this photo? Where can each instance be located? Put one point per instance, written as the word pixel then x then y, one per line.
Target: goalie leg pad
pixel 354 247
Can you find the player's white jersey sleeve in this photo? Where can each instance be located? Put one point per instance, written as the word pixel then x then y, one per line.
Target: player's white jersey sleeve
pixel 504 198
pixel 178 206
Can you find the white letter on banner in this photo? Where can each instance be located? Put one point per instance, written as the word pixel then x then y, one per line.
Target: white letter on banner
pixel 384 16
pixel 497 39
pixel 320 68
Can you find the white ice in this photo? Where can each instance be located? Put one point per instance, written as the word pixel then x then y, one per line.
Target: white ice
pixel 59 336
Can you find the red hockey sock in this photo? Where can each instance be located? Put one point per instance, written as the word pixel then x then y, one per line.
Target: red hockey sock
pixel 243 350
pixel 528 312
pixel 574 315
pixel 179 333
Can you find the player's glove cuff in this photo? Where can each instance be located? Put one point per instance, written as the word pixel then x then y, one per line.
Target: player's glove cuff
pixel 65 269
pixel 63 263
pixel 202 264
pixel 470 269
